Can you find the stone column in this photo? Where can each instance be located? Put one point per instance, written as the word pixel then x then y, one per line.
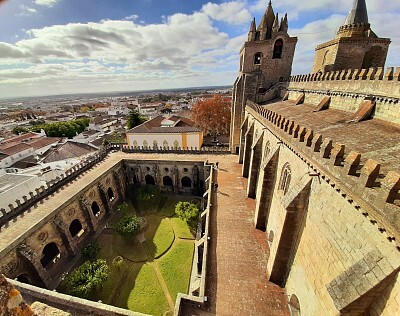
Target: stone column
pixel 104 198
pixel 87 212
pixel 70 243
pixel 175 179
pixel 27 254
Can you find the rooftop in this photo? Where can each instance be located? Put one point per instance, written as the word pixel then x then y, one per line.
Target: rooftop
pixel 10 180
pixel 162 125
pixel 373 139
pixel 69 150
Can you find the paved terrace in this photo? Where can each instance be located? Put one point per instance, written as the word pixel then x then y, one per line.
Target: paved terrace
pixel 237 283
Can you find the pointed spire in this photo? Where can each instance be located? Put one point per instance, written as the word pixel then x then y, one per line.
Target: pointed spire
pixel 284 24
pixel 275 27
pixel 266 23
pixel 358 14
pixel 252 31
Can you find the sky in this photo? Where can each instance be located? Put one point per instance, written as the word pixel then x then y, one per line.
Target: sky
pixel 50 47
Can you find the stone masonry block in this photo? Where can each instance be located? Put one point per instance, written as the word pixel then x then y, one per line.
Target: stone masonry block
pixel 351 163
pixel 396 76
pixel 326 147
pixel 300 99
pixel 389 73
pixel 369 173
pixel 391 186
pixel 324 104
pixel 337 154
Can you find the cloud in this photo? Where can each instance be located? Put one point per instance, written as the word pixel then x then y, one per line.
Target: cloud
pixel 46 3
pixel 25 10
pixel 233 12
pixel 132 17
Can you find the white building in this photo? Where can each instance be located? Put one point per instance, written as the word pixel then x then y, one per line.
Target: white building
pixel 161 132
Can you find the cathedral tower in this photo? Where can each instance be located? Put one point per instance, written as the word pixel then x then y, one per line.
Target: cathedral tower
pixel 356 46
pixel 265 59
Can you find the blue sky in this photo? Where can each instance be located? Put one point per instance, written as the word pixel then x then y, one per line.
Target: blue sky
pixel 74 46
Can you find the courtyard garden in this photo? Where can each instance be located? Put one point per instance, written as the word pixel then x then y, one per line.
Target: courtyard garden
pixel 148 250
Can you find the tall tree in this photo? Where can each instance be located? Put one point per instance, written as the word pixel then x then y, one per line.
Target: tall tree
pixel 135 119
pixel 213 115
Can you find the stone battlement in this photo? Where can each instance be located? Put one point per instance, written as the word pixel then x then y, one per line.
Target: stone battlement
pixel 364 81
pixel 348 88
pixel 344 169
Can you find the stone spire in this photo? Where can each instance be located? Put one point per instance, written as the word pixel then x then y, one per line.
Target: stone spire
pixel 356 24
pixel 275 27
pixel 266 23
pixel 358 15
pixel 284 24
pixel 252 31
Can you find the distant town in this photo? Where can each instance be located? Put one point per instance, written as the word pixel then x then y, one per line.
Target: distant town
pixel 42 138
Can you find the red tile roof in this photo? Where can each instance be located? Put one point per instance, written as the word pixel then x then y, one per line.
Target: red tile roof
pixel 181 125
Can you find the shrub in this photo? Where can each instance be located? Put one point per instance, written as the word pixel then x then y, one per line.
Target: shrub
pixel 92 250
pixel 123 207
pixel 128 226
pixel 146 194
pixel 87 278
pixel 188 212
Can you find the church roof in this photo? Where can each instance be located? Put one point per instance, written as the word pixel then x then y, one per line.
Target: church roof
pixel 358 14
pixel 155 125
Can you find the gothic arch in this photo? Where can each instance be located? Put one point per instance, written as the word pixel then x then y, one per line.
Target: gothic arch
pixel 257 58
pixel 176 144
pixel 149 180
pixel 135 144
pixel 110 194
pixel 167 181
pixel 50 254
pixel 165 144
pixel 278 49
pixel 145 144
pixel 155 144
pixel 186 182
pixel 286 176
pixel 75 227
pixel 294 305
pixel 95 209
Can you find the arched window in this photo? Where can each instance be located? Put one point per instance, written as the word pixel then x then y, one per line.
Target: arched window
pixel 165 144
pixel 145 144
pixel 110 194
pixel 176 144
pixel 278 48
pixel 155 145
pixel 257 58
pixel 50 254
pixel 186 182
pixel 294 305
pixel 149 180
pixel 135 144
pixel 75 228
pixel 285 178
pixel 95 209
pixel 167 181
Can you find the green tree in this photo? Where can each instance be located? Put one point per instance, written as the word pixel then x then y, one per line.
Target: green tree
pixel 128 226
pixel 18 130
pixel 87 278
pixel 92 250
pixel 135 119
pixel 189 212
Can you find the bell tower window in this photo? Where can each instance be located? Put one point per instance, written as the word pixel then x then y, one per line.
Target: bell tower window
pixel 278 48
pixel 257 59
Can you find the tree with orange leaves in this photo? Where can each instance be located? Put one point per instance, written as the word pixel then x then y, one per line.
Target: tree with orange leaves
pixel 213 115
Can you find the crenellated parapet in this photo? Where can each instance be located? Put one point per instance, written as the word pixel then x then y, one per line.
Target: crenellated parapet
pixel 349 88
pixel 354 177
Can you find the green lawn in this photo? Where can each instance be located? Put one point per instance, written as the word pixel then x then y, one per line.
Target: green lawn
pixel 176 267
pixel 181 228
pixel 159 235
pixel 135 285
pixel 147 295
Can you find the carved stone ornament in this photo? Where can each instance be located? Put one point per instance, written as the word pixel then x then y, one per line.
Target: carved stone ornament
pixel 11 267
pixel 43 236
pixel 71 212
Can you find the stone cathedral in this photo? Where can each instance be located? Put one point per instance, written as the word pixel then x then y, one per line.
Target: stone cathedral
pixel 322 156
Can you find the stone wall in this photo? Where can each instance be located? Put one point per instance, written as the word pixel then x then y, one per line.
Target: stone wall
pixel 324 248
pixel 348 88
